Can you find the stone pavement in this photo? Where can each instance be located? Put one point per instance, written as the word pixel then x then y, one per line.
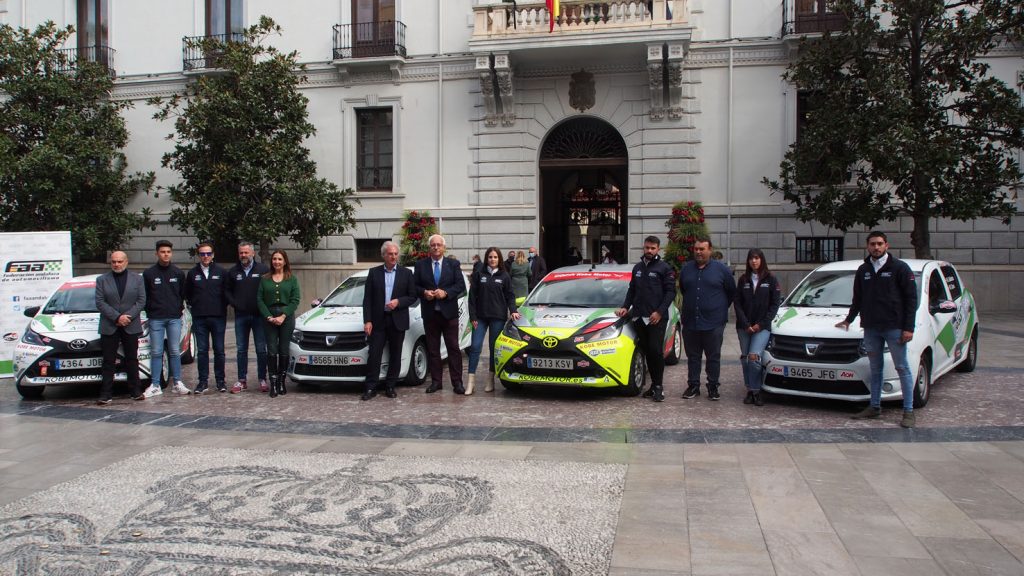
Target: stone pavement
pixel 794 487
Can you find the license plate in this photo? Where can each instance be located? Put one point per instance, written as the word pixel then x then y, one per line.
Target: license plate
pixel 810 373
pixel 77 363
pixel 329 360
pixel 551 363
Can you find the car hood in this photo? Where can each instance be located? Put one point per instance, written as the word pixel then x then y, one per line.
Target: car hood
pixel 67 326
pixel 560 320
pixel 815 322
pixel 339 318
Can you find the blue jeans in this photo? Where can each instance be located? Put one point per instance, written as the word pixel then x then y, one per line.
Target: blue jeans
pixel 874 341
pixel 483 326
pixel 243 324
pixel 205 328
pixel 159 328
pixel 752 344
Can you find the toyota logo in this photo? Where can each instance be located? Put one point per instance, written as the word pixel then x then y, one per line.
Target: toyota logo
pixel 549 341
pixel 811 348
pixel 78 344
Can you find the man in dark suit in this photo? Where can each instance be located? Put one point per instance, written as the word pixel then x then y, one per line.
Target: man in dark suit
pixel 538 267
pixel 389 292
pixel 439 283
pixel 120 298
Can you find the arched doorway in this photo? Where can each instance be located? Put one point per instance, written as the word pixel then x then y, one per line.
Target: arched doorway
pixel 584 175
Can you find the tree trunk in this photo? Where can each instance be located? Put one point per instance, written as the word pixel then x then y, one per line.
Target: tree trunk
pixel 265 252
pixel 920 238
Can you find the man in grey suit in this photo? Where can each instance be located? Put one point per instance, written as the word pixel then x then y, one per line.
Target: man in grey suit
pixel 120 298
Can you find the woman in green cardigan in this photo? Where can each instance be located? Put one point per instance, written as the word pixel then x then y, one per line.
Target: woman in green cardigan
pixel 278 299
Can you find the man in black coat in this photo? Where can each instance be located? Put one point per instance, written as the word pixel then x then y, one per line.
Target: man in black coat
pixel 204 291
pixel 389 292
pixel 240 287
pixel 439 283
pixel 538 267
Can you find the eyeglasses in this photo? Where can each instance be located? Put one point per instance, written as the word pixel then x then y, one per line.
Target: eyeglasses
pixel 206 253
pixel 436 244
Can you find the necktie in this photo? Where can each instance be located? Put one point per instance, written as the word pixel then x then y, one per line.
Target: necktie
pixel 437 272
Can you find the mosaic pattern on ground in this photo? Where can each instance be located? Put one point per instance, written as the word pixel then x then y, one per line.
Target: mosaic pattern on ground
pixel 219 512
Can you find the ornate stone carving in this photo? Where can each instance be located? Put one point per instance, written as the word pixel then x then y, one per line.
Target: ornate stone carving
pixel 655 73
pixel 582 91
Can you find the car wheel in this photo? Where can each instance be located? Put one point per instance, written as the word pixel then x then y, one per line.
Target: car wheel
pixel 511 386
pixel 923 386
pixel 677 347
pixel 189 356
pixel 971 360
pixel 417 373
pixel 165 371
pixel 637 375
pixel 30 392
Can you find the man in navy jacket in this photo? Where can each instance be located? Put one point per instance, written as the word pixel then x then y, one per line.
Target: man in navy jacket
pixel 885 296
pixel 708 289
pixel 204 291
pixel 240 286
pixel 389 292
pixel 439 283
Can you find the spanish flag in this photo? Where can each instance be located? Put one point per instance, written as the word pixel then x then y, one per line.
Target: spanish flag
pixel 553 9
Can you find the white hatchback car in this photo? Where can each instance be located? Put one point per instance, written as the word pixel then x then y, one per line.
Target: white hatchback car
pixel 808 356
pixel 329 344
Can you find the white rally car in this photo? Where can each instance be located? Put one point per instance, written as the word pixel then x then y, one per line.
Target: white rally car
pixel 61 345
pixel 329 344
pixel 808 356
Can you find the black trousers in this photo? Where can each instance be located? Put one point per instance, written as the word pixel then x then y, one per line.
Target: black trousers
pixel 652 338
pixel 707 343
pixel 130 343
pixel 384 335
pixel 436 327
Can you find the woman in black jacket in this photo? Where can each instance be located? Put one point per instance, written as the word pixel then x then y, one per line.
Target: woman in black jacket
pixel 757 300
pixel 491 300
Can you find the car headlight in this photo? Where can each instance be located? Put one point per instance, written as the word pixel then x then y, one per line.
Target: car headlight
pixel 511 331
pixel 608 333
pixel 297 336
pixel 32 337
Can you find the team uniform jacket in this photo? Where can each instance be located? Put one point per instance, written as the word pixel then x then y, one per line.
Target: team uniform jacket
pixel 886 299
pixel 165 292
pixel 206 295
pixel 240 289
pixel 652 288
pixel 490 295
pixel 757 305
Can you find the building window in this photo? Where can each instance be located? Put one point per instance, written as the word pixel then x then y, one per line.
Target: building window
pixel 368 249
pixel 92 24
pixel 817 249
pixel 223 17
pixel 374 139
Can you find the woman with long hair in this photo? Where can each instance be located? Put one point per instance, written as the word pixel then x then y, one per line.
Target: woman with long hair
pixel 757 300
pixel 278 298
pixel 519 270
pixel 491 302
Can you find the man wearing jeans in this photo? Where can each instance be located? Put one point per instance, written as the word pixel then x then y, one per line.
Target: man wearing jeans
pixel 204 290
pixel 708 288
pixel 885 296
pixel 240 286
pixel 165 300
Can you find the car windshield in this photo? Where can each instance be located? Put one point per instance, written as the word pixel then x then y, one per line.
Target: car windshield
pixel 828 289
pixel 350 293
pixel 72 300
pixel 580 292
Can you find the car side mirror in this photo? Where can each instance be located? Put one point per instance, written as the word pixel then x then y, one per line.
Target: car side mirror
pixel 942 307
pixel 31 311
pixel 315 303
pixel 520 300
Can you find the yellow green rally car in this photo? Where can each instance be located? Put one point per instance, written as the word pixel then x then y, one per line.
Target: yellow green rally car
pixel 568 334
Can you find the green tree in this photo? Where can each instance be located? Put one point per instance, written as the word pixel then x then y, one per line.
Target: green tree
pixel 61 136
pixel 245 173
pixel 905 118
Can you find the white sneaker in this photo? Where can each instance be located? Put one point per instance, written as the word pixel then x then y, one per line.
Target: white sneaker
pixel 153 390
pixel 180 388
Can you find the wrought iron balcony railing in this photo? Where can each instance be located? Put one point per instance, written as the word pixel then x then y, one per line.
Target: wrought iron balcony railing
pixel 811 17
pixel 198 52
pixel 369 39
pixel 102 55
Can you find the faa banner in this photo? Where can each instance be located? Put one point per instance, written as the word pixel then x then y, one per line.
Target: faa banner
pixel 35 263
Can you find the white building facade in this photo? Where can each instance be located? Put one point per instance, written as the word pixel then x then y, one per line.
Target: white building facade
pixel 515 136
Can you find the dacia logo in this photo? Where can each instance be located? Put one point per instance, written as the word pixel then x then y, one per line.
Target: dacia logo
pixel 330 339
pixel 550 342
pixel 33 266
pixel 811 348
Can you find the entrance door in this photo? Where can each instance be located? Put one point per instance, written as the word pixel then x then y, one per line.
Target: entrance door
pixel 584 173
pixel 374 28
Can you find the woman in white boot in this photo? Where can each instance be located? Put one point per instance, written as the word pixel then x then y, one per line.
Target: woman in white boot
pixel 491 301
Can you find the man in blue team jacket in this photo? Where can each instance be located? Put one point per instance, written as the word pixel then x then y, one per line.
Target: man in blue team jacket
pixel 708 288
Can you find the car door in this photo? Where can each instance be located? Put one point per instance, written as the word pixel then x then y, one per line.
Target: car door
pixel 465 328
pixel 941 328
pixel 964 318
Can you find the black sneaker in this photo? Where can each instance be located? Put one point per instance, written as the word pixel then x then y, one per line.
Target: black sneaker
pixel 713 393
pixel 749 399
pixel 692 392
pixel 758 398
pixel 648 393
pixel 658 395
pixel 869 412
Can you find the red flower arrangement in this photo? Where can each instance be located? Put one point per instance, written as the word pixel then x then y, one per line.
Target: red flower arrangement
pixel 684 226
pixel 416 230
